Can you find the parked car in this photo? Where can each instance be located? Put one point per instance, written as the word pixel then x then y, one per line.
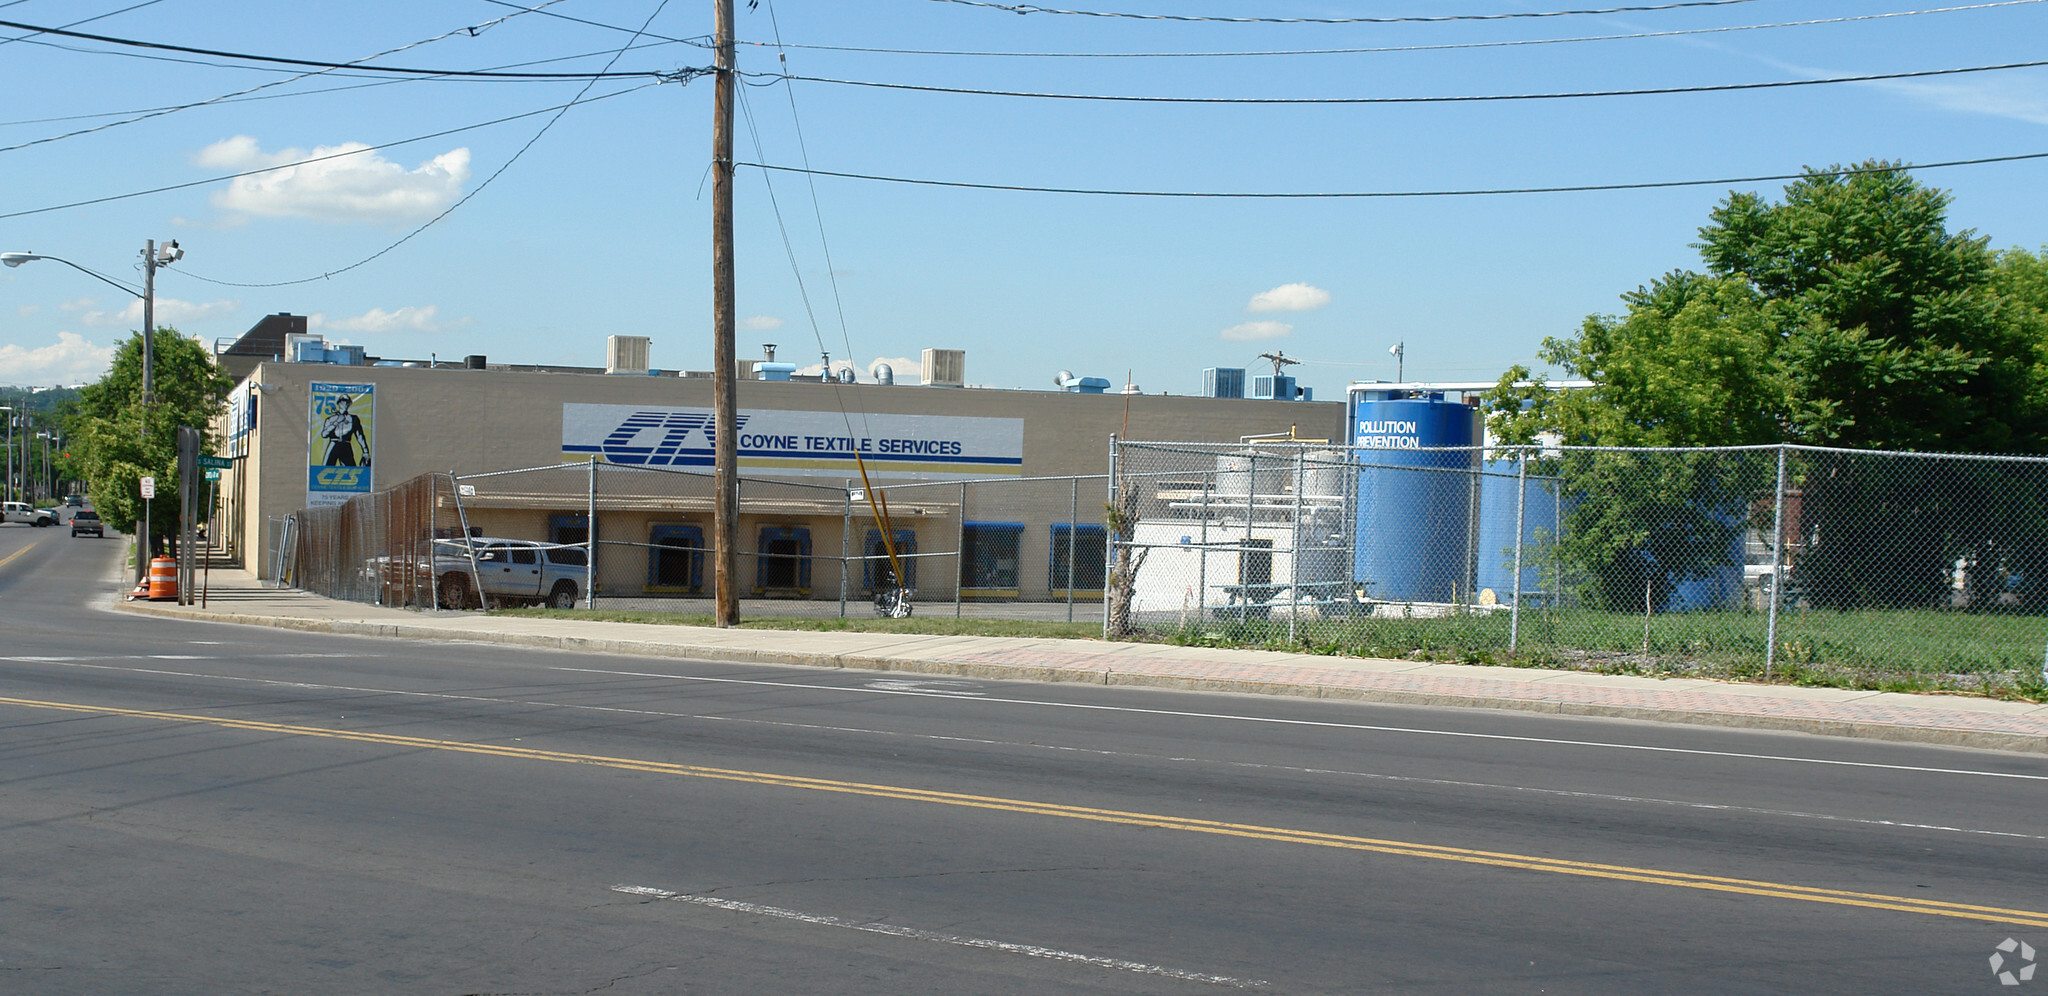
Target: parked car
pixel 86 522
pixel 516 572
pixel 74 501
pixel 23 512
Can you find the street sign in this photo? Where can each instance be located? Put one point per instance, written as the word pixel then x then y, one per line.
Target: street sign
pixel 149 487
pixel 214 461
pixel 213 473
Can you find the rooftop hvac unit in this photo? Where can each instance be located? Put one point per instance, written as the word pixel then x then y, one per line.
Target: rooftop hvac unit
pixel 1271 387
pixel 625 354
pixel 945 367
pixel 1223 382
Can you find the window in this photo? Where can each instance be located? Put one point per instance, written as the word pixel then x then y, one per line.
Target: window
pixel 988 559
pixel 568 556
pixel 675 558
pixel 524 555
pixel 1083 550
pixel 568 528
pixel 875 573
pixel 784 564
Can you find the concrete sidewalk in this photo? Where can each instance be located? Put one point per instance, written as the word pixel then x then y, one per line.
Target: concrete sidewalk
pixel 235 596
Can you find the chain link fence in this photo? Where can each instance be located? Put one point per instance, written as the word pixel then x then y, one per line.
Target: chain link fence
pixel 1032 548
pixel 1819 566
pixel 377 548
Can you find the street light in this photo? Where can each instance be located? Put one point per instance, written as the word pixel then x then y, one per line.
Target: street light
pixel 152 257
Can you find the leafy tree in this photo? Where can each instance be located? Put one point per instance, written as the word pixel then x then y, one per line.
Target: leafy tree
pixel 1845 315
pixel 119 443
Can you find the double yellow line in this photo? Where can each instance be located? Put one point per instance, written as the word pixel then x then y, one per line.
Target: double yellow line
pixel 1493 859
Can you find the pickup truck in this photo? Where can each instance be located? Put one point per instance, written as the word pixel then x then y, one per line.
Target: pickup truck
pixel 23 512
pixel 514 572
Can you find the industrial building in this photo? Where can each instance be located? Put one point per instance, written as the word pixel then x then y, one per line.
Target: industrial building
pixel 313 423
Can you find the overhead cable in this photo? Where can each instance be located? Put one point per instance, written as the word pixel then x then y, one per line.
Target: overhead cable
pixel 1447 46
pixel 465 198
pixel 1025 8
pixel 1334 195
pixel 314 63
pixel 771 78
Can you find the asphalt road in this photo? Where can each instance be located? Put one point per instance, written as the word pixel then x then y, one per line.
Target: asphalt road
pixel 193 808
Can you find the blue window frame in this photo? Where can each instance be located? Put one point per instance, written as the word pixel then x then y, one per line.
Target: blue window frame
pixel 874 571
pixel 783 566
pixel 675 557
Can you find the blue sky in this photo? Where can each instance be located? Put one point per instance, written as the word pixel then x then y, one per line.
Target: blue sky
pixel 602 225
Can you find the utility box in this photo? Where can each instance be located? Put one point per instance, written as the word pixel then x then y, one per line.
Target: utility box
pixel 625 354
pixel 945 368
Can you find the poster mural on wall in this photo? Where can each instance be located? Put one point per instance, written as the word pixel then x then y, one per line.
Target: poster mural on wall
pixel 338 447
pixel 798 443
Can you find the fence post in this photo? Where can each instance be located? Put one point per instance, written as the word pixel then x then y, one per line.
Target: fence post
pixel 1521 502
pixel 590 541
pixel 1777 568
pixel 1073 513
pixel 476 579
pixel 845 536
pixel 960 553
pixel 1294 551
pixel 1112 560
pixel 1202 554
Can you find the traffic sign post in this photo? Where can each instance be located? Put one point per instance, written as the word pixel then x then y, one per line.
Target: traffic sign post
pixel 148 488
pixel 213 473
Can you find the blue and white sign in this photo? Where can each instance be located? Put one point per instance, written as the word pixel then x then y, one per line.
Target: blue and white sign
pixel 799 444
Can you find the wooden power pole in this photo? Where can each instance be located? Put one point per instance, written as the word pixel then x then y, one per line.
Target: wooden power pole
pixel 725 426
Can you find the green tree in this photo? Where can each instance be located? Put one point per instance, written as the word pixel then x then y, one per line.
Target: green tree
pixel 1844 315
pixel 119 442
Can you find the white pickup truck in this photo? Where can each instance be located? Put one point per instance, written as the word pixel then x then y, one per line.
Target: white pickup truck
pixel 27 514
pixel 517 572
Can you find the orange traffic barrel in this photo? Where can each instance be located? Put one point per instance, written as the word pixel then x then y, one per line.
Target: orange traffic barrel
pixel 163 579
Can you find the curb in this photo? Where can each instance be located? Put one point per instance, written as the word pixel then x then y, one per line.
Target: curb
pixel 1938 736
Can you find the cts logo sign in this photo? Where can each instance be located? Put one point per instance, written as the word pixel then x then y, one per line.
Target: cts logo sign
pixel 338 477
pixel 662 439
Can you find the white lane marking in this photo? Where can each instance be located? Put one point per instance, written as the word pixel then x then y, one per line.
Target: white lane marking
pixel 175 657
pixel 1325 724
pixel 1058 748
pixel 934 687
pixel 42 660
pixel 912 933
pixel 205 643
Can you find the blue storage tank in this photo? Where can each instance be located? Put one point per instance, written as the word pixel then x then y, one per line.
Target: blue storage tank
pixel 1541 522
pixel 1415 504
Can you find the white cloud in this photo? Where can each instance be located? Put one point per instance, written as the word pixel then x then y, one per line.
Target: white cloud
pixel 762 323
pixel 376 320
pixel 816 368
pixel 1254 331
pixel 169 311
pixel 360 187
pixel 79 304
pixel 27 310
pixel 70 360
pixel 2020 99
pixel 1289 297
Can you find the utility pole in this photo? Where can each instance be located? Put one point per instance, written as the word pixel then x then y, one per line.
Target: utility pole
pixel 725 446
pixel 148 328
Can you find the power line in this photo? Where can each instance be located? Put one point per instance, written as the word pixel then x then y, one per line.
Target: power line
pixel 680 78
pixel 1480 192
pixel 1025 8
pixel 87 20
pixel 500 171
pixel 772 78
pixel 280 60
pixel 1448 46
